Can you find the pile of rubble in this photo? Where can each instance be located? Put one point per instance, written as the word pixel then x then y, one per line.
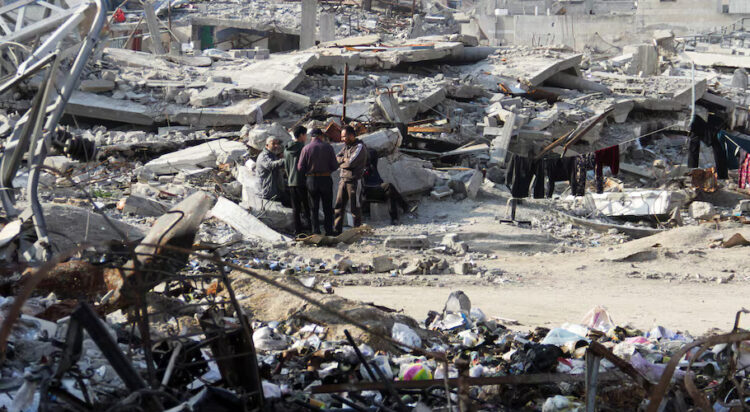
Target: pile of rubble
pixel 133 209
pixel 318 351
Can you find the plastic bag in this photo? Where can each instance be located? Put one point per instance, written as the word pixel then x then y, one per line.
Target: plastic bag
pixel 469 338
pixel 598 319
pixel 560 337
pixel 404 334
pixel 271 390
pixel 652 371
pixel 381 362
pixel 660 332
pixel 266 339
pixel 477 315
pixel 556 403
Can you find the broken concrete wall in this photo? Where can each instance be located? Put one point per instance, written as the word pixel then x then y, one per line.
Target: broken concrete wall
pixel 204 155
pixel 409 174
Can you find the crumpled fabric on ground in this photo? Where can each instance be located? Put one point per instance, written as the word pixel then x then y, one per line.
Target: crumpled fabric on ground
pixel 537 358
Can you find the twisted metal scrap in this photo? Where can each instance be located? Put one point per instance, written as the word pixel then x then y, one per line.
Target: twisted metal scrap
pixel 660 390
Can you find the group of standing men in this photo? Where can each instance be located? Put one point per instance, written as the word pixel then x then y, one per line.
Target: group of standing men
pixel 308 170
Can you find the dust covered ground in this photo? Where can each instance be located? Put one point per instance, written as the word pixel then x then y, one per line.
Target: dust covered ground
pixel 553 272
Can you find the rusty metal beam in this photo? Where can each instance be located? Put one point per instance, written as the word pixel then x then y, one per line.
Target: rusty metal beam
pixel 151 262
pixel 600 350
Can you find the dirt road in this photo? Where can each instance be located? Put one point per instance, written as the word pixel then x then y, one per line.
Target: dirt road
pixel 696 308
pixel 679 278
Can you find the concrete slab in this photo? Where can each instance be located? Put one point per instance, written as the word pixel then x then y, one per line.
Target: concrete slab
pixel 721 60
pixel 246 224
pixel 70 225
pixel 384 141
pixel 96 106
pixel 407 242
pixel 409 174
pixel 142 206
pixel 390 109
pixel 633 203
pixel 203 155
pixel 97 86
pixel 531 68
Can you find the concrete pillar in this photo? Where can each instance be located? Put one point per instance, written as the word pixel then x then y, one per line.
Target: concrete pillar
pixel 547 6
pixel 309 16
pixel 327 27
pixel 739 80
pixel 416 27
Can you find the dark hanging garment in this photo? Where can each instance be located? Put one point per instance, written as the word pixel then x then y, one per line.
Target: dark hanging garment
pixel 606 157
pixel 538 168
pixel 518 176
pixel 733 146
pixel 707 132
pixel 583 164
pixel 558 170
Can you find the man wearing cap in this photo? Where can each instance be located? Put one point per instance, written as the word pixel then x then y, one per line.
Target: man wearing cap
pixel 316 162
pixel 352 160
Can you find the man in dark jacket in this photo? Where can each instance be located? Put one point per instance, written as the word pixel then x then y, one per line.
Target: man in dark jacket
pixel 268 167
pixel 376 190
pixel 296 180
pixel 316 162
pixel 352 161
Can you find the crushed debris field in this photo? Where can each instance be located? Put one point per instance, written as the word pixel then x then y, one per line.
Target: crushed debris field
pixel 374 205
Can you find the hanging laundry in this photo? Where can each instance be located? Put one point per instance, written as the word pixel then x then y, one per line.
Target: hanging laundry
pixel 518 177
pixel 733 145
pixel 708 132
pixel 606 157
pixel 744 182
pixel 539 174
pixel 583 164
pixel 558 170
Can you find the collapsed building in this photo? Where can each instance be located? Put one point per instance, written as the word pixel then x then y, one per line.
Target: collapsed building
pixel 131 206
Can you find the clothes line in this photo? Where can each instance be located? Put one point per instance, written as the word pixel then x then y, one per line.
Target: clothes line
pixel 618 144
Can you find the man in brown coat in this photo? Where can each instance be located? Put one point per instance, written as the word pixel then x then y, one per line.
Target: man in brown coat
pixel 352 162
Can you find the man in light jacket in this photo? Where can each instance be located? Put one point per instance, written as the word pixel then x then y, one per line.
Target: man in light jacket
pixel 352 161
pixel 269 167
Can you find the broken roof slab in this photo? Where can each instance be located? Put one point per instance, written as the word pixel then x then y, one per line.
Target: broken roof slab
pixel 531 66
